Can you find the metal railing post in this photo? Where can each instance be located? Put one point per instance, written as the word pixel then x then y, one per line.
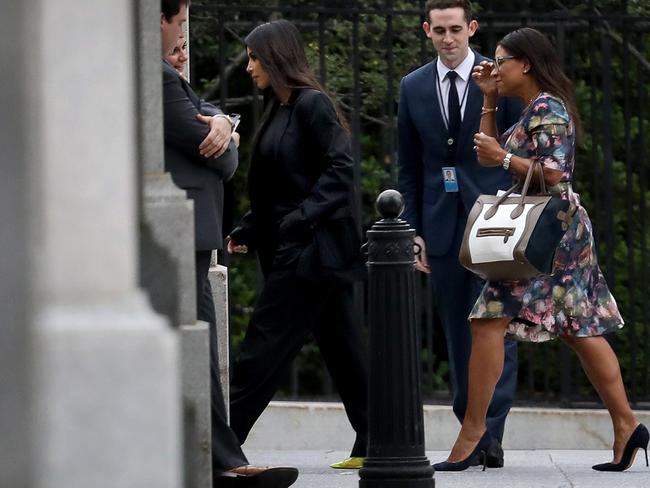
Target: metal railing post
pixel 396 455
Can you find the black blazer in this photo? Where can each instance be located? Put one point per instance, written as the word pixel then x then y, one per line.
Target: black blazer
pixel 305 218
pixel 202 178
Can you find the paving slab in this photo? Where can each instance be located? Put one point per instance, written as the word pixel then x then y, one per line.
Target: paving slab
pixel 524 469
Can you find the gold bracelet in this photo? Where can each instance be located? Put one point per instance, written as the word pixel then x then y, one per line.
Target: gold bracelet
pixel 487 110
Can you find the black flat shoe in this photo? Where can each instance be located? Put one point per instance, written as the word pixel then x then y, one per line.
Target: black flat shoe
pixel 255 477
pixel 493 457
pixel 480 450
pixel 281 477
pixel 638 440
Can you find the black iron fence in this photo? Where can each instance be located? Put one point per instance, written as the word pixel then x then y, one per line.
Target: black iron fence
pixel 361 49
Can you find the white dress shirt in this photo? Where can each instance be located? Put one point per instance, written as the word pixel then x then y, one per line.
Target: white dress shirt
pixel 464 70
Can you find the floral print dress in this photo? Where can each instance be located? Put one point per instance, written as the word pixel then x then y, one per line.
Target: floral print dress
pixel 574 299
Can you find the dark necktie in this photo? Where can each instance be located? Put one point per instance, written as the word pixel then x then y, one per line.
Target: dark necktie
pixel 453 107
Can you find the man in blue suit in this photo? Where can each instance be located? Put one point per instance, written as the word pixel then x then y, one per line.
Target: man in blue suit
pixel 440 178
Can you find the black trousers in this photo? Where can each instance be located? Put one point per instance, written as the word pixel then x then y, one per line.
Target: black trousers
pixel 291 310
pixel 226 450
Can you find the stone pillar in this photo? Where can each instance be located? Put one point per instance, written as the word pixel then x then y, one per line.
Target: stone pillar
pixel 167 251
pixel 106 366
pixel 219 282
pixel 167 244
pixel 17 193
pixel 187 38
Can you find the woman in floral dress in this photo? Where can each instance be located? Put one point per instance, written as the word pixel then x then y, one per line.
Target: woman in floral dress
pixel 574 302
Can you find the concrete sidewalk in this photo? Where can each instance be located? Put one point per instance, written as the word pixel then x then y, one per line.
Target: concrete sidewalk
pixel 524 469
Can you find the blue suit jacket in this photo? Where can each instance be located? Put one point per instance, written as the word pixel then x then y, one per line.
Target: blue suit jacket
pixel 434 213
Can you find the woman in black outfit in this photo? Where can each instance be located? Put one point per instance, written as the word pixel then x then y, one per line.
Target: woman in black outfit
pixel 301 223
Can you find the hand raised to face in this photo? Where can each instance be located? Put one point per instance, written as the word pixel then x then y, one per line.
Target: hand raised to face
pixel 483 75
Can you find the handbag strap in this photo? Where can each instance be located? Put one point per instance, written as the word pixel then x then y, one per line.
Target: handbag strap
pixel 517 211
pixel 529 176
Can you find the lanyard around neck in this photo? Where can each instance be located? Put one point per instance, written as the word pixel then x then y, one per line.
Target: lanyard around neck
pixel 443 108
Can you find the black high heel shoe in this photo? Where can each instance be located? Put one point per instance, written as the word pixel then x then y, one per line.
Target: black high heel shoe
pixel 480 450
pixel 638 440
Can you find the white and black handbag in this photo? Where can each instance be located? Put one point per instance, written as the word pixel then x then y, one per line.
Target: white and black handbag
pixel 515 237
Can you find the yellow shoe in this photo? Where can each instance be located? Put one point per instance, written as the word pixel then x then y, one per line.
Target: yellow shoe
pixel 349 463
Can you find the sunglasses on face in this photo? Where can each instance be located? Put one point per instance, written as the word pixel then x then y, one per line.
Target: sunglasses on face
pixel 500 59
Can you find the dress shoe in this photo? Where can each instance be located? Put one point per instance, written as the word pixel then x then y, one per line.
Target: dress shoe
pixel 638 440
pixel 480 450
pixel 256 477
pixel 349 463
pixel 494 457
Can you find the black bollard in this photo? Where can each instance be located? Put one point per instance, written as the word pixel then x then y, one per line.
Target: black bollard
pixel 396 457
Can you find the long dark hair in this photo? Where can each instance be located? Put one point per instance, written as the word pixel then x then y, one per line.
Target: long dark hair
pixel 279 48
pixel 531 44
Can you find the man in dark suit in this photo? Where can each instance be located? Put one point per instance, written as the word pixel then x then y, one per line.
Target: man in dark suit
pixel 440 178
pixel 201 155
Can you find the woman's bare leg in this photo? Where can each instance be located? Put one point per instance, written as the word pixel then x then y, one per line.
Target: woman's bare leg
pixel 485 368
pixel 601 366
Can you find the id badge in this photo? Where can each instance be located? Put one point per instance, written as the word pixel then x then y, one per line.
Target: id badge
pixel 449 179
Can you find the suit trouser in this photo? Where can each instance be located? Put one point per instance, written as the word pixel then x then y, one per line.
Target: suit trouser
pixel 226 450
pixel 290 310
pixel 455 290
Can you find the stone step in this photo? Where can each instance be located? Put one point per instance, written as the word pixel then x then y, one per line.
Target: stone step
pixel 324 426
